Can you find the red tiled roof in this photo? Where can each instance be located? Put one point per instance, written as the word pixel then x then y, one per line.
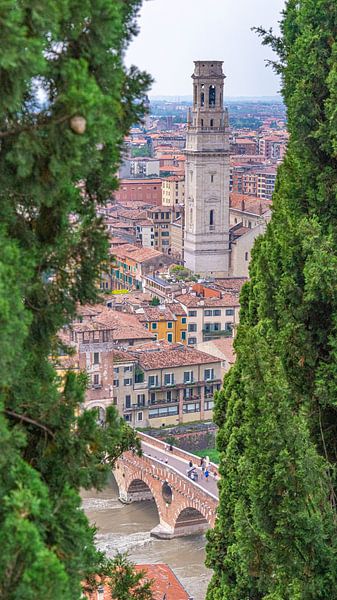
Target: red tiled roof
pixel 136 253
pixel 249 204
pixel 156 314
pixel 165 584
pixel 176 356
pixel 194 302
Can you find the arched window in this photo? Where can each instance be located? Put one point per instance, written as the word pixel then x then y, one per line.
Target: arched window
pixel 212 122
pixel 202 95
pixel 211 218
pixel 211 95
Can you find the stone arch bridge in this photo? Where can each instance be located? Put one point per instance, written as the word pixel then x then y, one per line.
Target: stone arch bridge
pixel 185 507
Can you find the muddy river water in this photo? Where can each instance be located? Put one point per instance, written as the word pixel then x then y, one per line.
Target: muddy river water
pixel 127 528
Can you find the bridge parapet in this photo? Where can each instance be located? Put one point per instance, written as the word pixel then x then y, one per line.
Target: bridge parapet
pixel 176 451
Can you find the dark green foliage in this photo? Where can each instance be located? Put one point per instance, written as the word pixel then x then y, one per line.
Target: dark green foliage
pixel 126 583
pixel 275 538
pixel 52 246
pixel 155 301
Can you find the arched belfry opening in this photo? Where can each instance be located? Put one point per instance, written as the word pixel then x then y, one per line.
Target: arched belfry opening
pixel 212 95
pixel 202 95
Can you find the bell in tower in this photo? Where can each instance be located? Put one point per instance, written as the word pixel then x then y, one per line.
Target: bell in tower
pixel 206 246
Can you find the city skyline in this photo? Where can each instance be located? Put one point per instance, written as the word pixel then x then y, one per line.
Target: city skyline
pixel 166 48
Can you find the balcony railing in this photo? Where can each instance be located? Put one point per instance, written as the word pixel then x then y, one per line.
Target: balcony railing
pixel 222 332
pixel 140 385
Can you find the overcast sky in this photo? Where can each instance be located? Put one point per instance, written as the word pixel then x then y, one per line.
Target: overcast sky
pixel 174 33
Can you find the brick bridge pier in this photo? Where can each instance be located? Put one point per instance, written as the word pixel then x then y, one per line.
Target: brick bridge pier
pixel 184 506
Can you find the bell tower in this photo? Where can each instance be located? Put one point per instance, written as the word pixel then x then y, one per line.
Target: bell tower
pixel 206 236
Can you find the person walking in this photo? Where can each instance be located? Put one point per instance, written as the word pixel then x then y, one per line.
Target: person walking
pixel 206 475
pixel 203 467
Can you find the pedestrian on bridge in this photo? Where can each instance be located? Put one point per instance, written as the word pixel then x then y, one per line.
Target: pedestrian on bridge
pixel 206 475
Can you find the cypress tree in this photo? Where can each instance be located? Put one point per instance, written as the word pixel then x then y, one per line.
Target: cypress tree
pixel 276 531
pixel 66 103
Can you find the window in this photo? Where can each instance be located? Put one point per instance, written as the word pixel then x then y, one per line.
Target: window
pixel 116 370
pixel 208 391
pixel 168 396
pixel 170 325
pixel 96 379
pixel 212 178
pixel 170 337
pixel 229 311
pixel 211 122
pixel 192 313
pixel 153 397
pixel 188 393
pixel 153 380
pixel 191 407
pixel 209 404
pixel 115 383
pixel 246 255
pixel 192 341
pixel 154 326
pixel 211 219
pixel 208 313
pixel 217 312
pixel 202 122
pixel 115 400
pixel 188 376
pixel 166 411
pixel 127 381
pixel 168 379
pixel 183 320
pixel 141 399
pixel 127 418
pixel 128 401
pixel 209 374
pixel 192 327
pixel 183 336
pixel 210 327
pixel 127 369
pixel 139 416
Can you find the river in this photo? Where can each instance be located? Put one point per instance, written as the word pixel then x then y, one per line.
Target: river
pixel 126 527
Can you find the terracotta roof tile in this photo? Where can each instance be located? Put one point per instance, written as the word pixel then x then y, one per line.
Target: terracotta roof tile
pixel 195 302
pixel 176 356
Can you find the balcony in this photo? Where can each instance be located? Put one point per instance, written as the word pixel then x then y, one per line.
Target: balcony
pixel 220 333
pixel 163 401
pixel 140 385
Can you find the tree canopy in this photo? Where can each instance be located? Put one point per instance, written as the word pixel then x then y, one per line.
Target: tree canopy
pixel 66 103
pixel 275 536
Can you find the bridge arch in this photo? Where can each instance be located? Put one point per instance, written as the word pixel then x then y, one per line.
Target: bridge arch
pixel 190 520
pixel 136 486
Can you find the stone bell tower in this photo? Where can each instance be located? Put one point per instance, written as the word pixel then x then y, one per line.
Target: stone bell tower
pixel 206 236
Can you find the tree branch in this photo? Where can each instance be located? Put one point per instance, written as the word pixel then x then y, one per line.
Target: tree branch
pixel 15 415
